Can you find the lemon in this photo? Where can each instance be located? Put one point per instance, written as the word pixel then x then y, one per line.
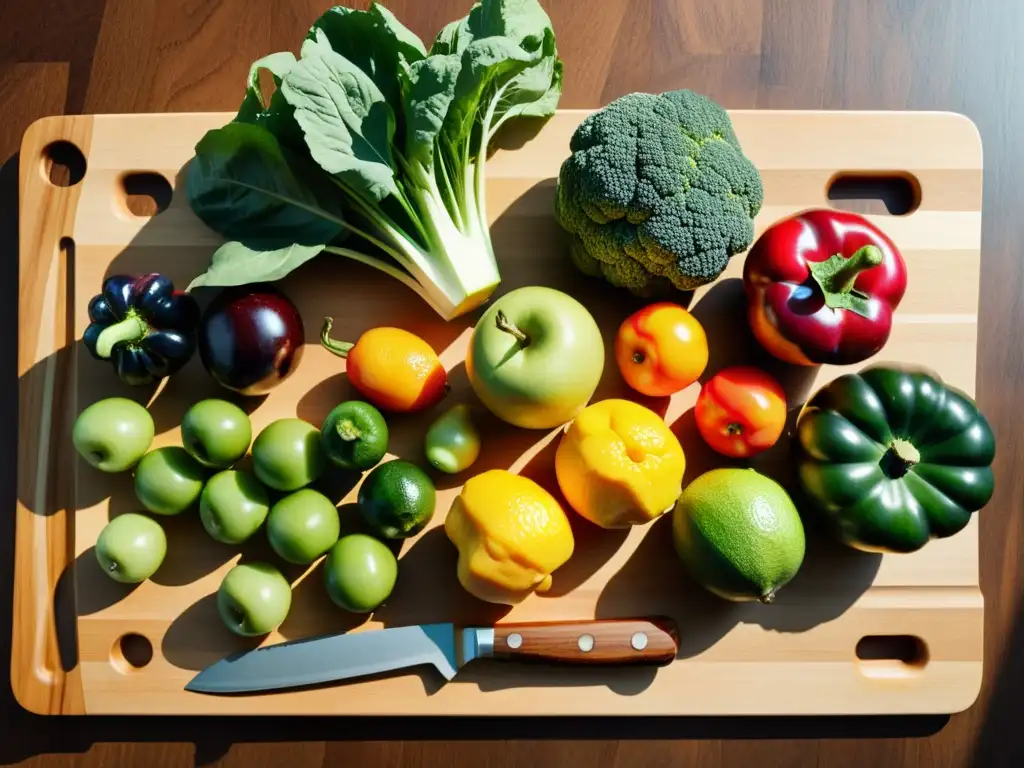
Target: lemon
pixel 511 535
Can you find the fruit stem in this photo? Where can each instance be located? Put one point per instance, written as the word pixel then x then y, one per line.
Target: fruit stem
pixel 842 280
pixel 735 428
pixel 638 357
pixel 132 328
pixel 339 348
pixel 506 325
pixel 768 597
pixel 348 431
pixel 900 457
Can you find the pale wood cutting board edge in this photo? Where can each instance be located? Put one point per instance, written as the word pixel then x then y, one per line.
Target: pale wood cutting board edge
pixel 799 659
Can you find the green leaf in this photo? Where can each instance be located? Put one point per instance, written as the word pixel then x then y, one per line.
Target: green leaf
pixel 533 92
pixel 244 185
pixel 346 121
pixel 453 38
pixel 485 65
pixel 429 92
pixel 253 106
pixel 522 21
pixel 374 40
pixel 277 116
pixel 237 264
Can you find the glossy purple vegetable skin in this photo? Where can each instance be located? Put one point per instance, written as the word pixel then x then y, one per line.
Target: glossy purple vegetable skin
pixel 251 338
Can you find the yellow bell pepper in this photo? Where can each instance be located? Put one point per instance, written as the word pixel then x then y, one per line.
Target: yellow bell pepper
pixel 618 464
pixel 511 534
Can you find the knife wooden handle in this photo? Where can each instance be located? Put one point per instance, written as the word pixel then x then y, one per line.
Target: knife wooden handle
pixel 653 640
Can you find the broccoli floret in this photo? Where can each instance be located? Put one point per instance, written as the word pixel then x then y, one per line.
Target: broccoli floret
pixel 657 193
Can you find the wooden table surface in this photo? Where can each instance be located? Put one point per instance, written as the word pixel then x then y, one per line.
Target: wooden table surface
pixel 69 56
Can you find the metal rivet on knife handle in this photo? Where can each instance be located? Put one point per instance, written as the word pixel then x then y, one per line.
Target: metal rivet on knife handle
pixel 642 640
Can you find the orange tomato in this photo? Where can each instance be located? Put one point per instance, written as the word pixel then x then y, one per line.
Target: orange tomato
pixel 741 411
pixel 394 369
pixel 661 349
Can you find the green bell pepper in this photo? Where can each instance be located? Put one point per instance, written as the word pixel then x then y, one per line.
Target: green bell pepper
pixel 891 458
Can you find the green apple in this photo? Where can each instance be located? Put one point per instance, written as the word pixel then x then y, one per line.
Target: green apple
pixel 216 433
pixel 360 573
pixel 168 481
pixel 113 434
pixel 233 506
pixel 131 547
pixel 254 599
pixel 535 358
pixel 288 454
pixel 302 526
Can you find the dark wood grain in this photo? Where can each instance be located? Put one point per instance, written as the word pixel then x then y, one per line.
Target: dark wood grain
pixel 963 55
pixel 589 642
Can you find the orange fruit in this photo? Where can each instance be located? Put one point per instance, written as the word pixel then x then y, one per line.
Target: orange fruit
pixel 661 349
pixel 394 369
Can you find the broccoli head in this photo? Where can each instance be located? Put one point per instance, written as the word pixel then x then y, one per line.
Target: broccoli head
pixel 657 193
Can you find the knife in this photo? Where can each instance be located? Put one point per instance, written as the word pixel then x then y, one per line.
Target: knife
pixel 651 641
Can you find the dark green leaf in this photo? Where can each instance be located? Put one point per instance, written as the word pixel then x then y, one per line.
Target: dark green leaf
pixel 244 185
pixel 237 264
pixel 346 121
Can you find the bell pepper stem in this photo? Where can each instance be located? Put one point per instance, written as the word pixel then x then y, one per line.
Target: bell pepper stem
pixel 504 324
pixel 348 431
pixel 900 457
pixel 842 280
pixel 339 348
pixel 837 275
pixel 132 328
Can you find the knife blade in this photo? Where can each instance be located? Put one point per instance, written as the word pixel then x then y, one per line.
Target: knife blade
pixel 333 658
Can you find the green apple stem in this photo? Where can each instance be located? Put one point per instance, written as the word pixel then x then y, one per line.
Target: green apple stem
pixel 339 348
pixel 506 325
pixel 132 328
pixel 348 431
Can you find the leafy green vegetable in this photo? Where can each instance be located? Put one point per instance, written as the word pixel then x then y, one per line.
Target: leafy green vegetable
pixel 368 135
pixel 256 189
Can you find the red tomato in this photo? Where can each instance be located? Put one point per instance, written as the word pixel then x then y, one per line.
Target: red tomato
pixel 741 411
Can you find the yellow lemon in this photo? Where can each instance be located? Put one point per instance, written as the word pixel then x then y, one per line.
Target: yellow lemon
pixel 511 535
pixel 618 464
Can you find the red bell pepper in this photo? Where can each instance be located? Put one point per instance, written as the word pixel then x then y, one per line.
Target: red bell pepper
pixel 822 286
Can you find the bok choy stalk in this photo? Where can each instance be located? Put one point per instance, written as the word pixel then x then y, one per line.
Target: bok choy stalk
pixel 370 136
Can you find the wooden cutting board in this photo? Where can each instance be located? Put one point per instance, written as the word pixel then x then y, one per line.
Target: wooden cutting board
pixel 83 644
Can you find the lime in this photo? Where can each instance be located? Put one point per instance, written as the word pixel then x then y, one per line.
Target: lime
pixel 397 499
pixel 739 534
pixel 360 573
pixel 355 435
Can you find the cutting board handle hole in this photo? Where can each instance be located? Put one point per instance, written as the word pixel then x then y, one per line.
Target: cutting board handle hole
pixel 893 194
pixel 63 164
pixel 146 193
pixel 891 655
pixel 131 652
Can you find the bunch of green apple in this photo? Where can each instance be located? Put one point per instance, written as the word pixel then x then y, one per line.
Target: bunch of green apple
pixel 115 435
